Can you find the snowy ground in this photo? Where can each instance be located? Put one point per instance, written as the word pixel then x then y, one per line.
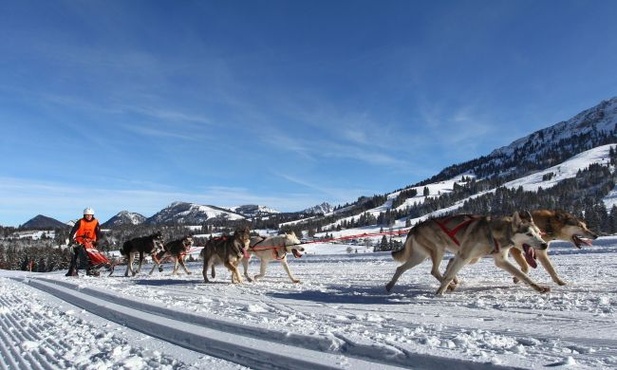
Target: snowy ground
pixel 339 317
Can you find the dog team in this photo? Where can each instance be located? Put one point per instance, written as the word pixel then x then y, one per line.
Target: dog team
pixel 229 251
pixel 525 236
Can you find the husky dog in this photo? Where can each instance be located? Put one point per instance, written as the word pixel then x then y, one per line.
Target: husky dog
pixel 177 250
pixel 469 237
pixel 226 250
pixel 555 225
pixel 150 244
pixel 273 248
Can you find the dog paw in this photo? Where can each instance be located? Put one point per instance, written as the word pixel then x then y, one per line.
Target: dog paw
pixel 453 285
pixel 515 280
pixel 543 289
pixel 296 281
pixel 561 282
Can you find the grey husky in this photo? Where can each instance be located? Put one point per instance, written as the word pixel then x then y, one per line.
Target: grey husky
pixel 469 237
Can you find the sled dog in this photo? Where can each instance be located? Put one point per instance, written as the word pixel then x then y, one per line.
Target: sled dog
pixel 469 237
pixel 555 225
pixel 273 248
pixel 177 250
pixel 150 244
pixel 226 250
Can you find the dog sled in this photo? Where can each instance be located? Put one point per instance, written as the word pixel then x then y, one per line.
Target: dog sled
pixel 96 259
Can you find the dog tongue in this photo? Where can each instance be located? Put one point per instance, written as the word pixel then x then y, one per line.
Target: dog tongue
pixel 530 256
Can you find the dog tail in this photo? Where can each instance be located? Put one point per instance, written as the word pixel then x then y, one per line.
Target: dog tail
pixel 403 253
pixel 125 248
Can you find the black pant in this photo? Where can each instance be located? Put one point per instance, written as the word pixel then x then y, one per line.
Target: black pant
pixel 78 260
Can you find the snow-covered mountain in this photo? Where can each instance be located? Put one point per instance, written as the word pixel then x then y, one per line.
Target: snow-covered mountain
pixel 544 148
pixel 253 210
pixel 323 208
pixel 191 214
pixel 124 218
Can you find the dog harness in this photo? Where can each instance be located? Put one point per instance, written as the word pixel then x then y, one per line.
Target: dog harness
pixel 274 249
pixel 452 232
pixel 245 253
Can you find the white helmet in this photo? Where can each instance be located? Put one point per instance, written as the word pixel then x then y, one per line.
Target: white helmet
pixel 88 211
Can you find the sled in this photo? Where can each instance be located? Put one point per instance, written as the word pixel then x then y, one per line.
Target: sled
pixel 96 259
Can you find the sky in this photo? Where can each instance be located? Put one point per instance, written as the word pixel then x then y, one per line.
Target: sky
pixel 133 105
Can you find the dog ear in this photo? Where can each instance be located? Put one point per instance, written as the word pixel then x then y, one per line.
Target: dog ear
pixel 516 219
pixel 526 215
pixel 561 216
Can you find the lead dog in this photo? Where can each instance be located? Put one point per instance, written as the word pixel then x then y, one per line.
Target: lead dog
pixel 555 225
pixel 226 250
pixel 469 238
pixel 150 244
pixel 273 248
pixel 177 250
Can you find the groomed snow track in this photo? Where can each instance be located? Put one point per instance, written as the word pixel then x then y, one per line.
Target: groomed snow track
pixel 250 346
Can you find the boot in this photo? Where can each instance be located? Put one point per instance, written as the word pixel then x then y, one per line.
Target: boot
pixel 72 267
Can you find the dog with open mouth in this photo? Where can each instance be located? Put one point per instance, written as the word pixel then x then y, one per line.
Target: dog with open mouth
pixel 555 225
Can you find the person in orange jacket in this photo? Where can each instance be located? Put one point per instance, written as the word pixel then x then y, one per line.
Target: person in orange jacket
pixel 85 229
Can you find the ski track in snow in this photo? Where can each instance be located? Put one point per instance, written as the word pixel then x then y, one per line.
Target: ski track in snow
pixel 339 317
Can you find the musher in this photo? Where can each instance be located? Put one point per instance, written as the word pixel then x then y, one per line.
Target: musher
pixel 85 229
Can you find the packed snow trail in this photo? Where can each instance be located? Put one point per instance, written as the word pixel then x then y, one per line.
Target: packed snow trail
pixel 233 342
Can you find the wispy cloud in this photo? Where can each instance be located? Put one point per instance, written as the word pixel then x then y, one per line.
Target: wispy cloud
pixel 169 115
pixel 330 193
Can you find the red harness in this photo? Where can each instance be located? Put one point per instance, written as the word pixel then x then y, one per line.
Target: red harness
pixel 452 232
pixel 274 249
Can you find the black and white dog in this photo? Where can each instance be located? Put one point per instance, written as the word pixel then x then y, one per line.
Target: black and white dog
pixel 177 250
pixel 150 244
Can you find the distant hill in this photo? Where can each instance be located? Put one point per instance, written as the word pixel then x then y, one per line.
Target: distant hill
pixel 124 218
pixel 41 222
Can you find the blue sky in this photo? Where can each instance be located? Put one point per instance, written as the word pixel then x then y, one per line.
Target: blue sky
pixel 132 105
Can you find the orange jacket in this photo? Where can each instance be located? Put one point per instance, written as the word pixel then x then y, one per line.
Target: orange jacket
pixel 85 229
